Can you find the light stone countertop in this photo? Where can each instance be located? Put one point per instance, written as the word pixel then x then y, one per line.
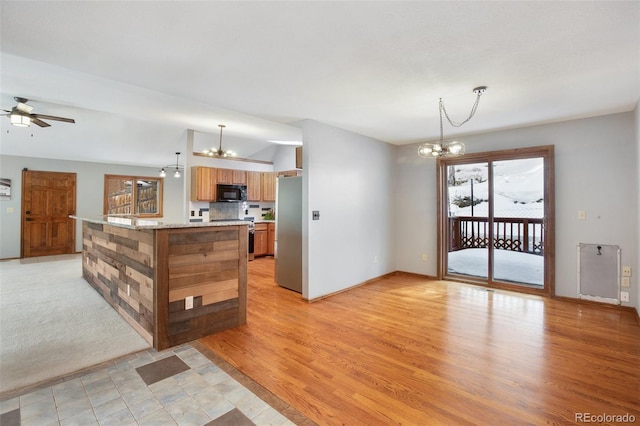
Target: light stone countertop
pixel 132 222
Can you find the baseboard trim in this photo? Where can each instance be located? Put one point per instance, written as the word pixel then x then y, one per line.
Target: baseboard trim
pixel 596 303
pixel 432 278
pixel 416 275
pixel 369 281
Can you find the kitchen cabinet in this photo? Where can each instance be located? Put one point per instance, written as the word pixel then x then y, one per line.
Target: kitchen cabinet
pixel 203 183
pixel 260 239
pixel 298 157
pixel 289 173
pixel 231 176
pixel 261 186
pixel 268 186
pixel 271 238
pixel 224 176
pixel 239 177
pixel 254 186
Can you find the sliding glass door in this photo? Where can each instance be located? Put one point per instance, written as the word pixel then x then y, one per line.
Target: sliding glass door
pixel 518 221
pixel 496 217
pixel 468 224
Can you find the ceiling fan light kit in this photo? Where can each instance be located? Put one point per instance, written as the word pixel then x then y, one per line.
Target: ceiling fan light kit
pixel 444 148
pixel 212 152
pixel 19 119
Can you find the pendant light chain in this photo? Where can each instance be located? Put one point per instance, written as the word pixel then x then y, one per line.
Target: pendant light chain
pixel 452 148
pixel 479 93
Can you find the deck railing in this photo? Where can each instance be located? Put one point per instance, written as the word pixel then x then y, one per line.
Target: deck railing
pixel 509 233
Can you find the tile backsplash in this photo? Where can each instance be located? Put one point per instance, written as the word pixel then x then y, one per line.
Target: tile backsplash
pixel 226 211
pixel 205 212
pixel 257 210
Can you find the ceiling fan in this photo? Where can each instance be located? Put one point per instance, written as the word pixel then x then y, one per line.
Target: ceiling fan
pixel 20 115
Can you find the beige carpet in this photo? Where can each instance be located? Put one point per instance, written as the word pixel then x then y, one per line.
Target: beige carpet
pixel 52 323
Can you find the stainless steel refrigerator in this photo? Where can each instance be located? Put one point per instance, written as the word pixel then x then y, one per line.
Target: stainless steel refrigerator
pixel 288 243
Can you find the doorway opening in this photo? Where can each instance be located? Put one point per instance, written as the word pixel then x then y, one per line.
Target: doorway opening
pixel 496 219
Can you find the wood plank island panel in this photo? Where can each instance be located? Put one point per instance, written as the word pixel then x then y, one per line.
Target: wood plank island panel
pixel 147 273
pixel 118 263
pixel 208 266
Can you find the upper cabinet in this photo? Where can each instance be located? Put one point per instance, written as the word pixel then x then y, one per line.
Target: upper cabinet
pixel 268 186
pixel 298 157
pixel 230 176
pixel 239 177
pixel 290 173
pixel 254 186
pixel 203 183
pixel 224 176
pixel 261 186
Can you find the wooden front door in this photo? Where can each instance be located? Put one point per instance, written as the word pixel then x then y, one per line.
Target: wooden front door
pixel 48 198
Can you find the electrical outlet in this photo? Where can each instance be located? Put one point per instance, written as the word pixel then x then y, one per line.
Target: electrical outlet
pixel 625 282
pixel 626 271
pixel 10 209
pixel 582 215
pixel 188 302
pixel 624 296
pixel 424 257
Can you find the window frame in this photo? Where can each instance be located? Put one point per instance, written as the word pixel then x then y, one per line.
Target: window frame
pixel 133 200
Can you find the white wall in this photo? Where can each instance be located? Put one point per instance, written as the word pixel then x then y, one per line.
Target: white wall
pixel 636 273
pixel 415 211
pixel 284 158
pixel 349 179
pixel 89 193
pixel 596 170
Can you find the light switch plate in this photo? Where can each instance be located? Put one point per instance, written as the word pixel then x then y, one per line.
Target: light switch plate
pixel 626 271
pixel 625 282
pixel 188 302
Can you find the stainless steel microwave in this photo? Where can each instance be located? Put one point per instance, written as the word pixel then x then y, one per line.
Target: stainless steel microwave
pixel 231 193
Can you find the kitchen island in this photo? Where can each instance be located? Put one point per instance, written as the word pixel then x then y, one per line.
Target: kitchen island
pixel 172 282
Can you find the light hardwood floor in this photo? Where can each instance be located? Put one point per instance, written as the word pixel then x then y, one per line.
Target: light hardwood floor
pixel 405 350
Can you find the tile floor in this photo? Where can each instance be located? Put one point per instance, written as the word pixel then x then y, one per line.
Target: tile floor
pixel 180 386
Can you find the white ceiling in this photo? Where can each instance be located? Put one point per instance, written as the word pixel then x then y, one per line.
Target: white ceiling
pixel 375 68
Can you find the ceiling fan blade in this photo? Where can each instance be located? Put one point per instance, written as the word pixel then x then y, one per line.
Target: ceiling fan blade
pixel 52 117
pixel 40 123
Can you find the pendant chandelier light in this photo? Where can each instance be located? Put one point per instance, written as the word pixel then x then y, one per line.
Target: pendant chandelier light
pixel 444 148
pixel 175 167
pixel 219 152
